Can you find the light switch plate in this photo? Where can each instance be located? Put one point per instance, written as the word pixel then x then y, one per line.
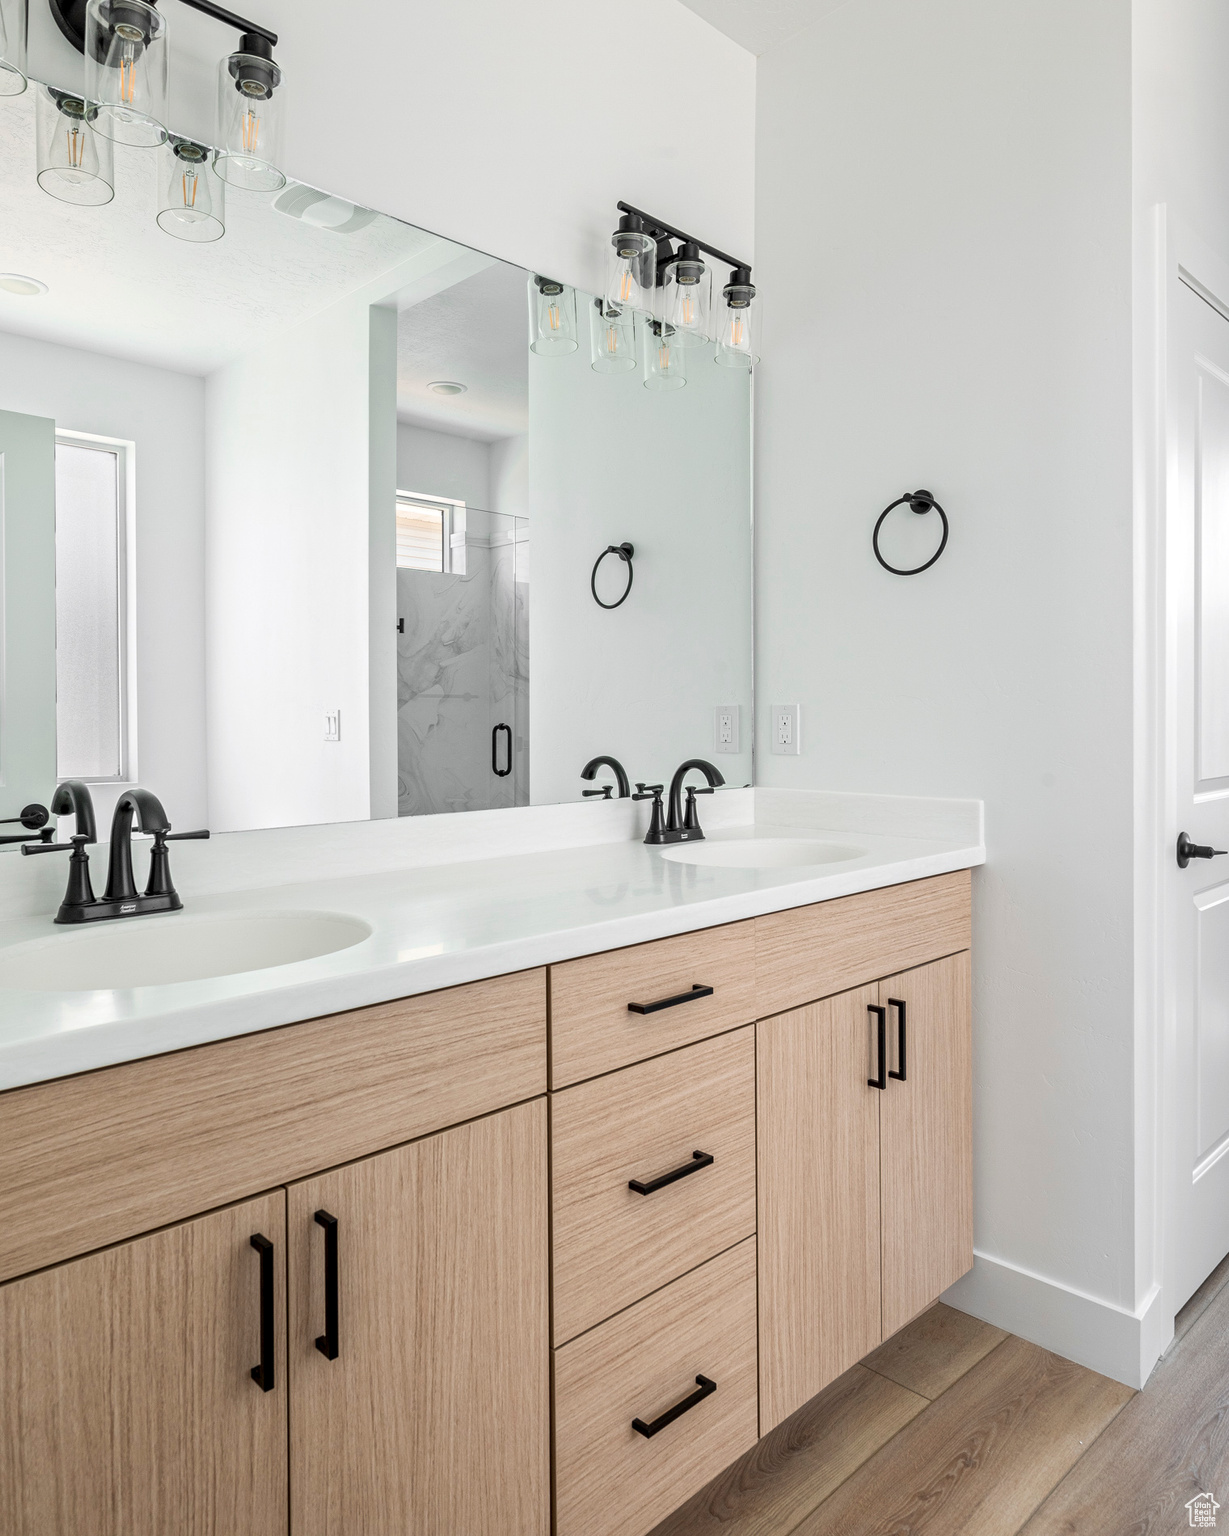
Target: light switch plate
pixel 726 728
pixel 786 730
pixel 332 725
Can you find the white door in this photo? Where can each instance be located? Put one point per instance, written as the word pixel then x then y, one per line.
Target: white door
pixel 27 593
pixel 1197 747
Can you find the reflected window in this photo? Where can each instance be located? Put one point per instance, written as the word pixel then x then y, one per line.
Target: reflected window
pixel 423 528
pixel 91 478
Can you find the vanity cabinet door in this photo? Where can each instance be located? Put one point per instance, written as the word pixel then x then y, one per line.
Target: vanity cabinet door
pixel 818 1217
pixel 432 1415
pixel 127 1402
pixel 926 1137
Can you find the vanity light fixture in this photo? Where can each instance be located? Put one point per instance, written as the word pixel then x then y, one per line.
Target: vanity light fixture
pixel 75 163
pixel 192 201
pixel 14 22
pixel 552 316
pixel 631 268
pixel 683 298
pixel 664 359
pixel 126 48
pixel 24 287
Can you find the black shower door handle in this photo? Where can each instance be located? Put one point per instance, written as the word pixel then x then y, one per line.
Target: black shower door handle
pixel 501 773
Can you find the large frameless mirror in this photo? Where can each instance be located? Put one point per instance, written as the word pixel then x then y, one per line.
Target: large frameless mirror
pixel 313 516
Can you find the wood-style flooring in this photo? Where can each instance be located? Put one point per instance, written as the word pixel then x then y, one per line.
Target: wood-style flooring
pixel 955 1428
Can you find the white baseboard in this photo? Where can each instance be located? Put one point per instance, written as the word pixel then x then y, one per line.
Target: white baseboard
pixel 1106 1338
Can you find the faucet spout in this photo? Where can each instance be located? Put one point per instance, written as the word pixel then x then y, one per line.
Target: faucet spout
pixel 674 821
pixel 72 798
pixel 147 808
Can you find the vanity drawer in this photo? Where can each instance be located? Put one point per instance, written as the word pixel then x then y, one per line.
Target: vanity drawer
pixel 611 1480
pixel 828 947
pixel 612 1244
pixel 595 1027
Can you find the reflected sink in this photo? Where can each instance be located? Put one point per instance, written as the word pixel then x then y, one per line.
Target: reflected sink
pixel 761 852
pixel 154 951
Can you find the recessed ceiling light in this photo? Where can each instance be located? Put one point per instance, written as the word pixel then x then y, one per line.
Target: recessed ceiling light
pixel 14 282
pixel 447 387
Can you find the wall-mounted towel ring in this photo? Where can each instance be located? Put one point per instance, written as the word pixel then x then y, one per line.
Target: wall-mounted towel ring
pixel 921 502
pixel 625 553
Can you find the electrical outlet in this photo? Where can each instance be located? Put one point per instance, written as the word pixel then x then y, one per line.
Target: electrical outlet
pixel 726 728
pixel 332 725
pixel 786 730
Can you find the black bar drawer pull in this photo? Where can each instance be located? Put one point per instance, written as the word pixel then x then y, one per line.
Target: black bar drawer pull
pixel 327 1342
pixel 698 1160
pixel 262 1374
pixel 671 1002
pixel 881 1016
pixel 705 1388
pixel 895 1002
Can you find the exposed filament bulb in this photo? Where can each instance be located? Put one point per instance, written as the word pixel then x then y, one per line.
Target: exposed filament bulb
pixel 74 148
pixel 251 130
pixel 190 183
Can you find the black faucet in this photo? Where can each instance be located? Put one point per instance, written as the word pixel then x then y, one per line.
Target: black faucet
pixel 589 771
pixel 121 898
pixel 680 826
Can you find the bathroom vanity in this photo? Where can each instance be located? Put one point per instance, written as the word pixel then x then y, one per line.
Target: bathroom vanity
pixel 550 1245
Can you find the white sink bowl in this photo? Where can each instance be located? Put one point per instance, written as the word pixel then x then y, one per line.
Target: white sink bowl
pixel 177 946
pixel 761 853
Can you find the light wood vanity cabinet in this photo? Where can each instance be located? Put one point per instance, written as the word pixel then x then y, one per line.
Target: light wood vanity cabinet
pixel 695 1218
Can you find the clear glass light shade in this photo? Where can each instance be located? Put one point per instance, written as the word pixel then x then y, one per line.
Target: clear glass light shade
pixel 125 71
pixel 737 325
pixel 664 360
pixel 250 101
pixel 686 296
pixel 14 15
pixel 631 270
pixel 612 338
pixel 552 317
pixel 75 163
pixel 192 195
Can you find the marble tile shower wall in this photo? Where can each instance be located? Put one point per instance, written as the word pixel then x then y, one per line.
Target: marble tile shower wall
pixel 462 669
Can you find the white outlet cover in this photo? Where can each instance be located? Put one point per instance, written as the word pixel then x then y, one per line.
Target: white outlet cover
pixel 786 730
pixel 727 730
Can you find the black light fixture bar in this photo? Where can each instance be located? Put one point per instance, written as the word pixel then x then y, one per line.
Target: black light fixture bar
pixel 70 18
pixel 658 227
pixel 220 13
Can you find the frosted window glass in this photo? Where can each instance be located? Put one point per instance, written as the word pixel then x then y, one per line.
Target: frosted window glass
pixel 88 552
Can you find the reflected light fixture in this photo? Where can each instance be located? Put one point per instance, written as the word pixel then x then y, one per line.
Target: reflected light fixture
pixel 612 338
pixel 664 359
pixel 14 24
pixel 447 387
pixel 192 202
pixel 75 163
pixel 552 316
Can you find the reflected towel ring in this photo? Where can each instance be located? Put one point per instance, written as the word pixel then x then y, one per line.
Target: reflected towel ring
pixel 921 502
pixel 625 553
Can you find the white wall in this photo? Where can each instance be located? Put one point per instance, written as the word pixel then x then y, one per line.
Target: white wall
pixel 954 177
pixel 289 431
pixel 443 464
pixel 671 474
pixel 161 412
pixel 510 475
pixel 515 129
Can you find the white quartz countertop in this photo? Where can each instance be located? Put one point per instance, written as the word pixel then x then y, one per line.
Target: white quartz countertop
pixel 444 923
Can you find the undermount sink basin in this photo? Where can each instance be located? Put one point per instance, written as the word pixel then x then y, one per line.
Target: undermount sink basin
pixel 180 946
pixel 761 853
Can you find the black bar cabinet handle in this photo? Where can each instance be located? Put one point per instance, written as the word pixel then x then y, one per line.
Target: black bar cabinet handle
pixel 705 1388
pixel 881 1016
pixel 327 1342
pixel 670 1002
pixel 501 773
pixel 262 1374
pixel 898 1004
pixel 698 1160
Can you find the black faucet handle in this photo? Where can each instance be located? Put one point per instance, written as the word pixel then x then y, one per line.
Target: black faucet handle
pixel 649 791
pixel 604 793
pixel 182 837
pixel 694 789
pixel 50 847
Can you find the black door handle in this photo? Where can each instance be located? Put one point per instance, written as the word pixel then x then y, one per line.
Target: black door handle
pixel 1188 851
pixel 501 773
pixel 698 1160
pixel 881 1015
pixel 705 1388
pixel 327 1342
pixel 262 1374
pixel 895 1002
pixel 670 1002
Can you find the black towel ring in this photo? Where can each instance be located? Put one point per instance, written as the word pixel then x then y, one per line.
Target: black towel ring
pixel 921 503
pixel 625 553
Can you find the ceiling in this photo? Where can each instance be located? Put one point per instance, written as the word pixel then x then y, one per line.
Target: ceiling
pixel 474 333
pixel 759 25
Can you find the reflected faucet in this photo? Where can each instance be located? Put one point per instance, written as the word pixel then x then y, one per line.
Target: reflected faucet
pixel 589 771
